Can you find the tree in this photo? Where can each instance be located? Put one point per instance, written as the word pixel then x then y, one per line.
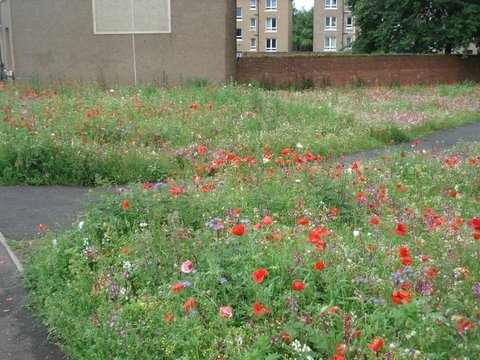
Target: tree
pixel 302 30
pixel 415 26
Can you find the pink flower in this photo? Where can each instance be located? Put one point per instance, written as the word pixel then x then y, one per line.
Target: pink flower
pixel 187 267
pixel 226 312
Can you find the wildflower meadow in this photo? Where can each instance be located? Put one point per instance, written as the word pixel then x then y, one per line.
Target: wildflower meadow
pixel 240 232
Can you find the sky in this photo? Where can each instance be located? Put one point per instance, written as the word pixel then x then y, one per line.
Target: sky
pixel 307 4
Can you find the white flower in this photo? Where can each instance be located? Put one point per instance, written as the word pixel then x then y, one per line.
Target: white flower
pixel 143 225
pixel 356 233
pixel 299 146
pixel 80 225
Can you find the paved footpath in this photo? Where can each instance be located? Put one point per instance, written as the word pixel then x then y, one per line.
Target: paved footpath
pixel 23 208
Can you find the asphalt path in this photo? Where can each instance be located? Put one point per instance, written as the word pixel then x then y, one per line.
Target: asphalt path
pixel 24 208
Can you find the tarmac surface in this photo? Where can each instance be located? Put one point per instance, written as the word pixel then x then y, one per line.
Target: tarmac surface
pixel 24 208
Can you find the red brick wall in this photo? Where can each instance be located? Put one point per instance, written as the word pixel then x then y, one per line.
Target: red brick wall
pixel 339 70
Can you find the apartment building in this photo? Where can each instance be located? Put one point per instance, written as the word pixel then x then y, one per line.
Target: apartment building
pixel 264 26
pixel 333 26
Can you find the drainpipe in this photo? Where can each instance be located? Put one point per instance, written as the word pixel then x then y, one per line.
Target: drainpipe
pixel 258 26
pixel 343 25
pixel 133 47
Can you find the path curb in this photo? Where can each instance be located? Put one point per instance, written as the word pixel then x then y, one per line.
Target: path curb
pixel 12 255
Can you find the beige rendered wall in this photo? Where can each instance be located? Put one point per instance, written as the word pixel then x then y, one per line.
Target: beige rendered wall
pixel 341 12
pixel 54 39
pixel 283 34
pixel 5 35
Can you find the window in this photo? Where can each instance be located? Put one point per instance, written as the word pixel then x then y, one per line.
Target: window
pixel 239 34
pixel 330 4
pixel 348 42
pixel 239 54
pixel 239 13
pixel 253 44
pixel 271 24
pixel 330 23
pixel 349 22
pixel 271 45
pixel 128 17
pixel 253 24
pixel 270 4
pixel 253 4
pixel 330 43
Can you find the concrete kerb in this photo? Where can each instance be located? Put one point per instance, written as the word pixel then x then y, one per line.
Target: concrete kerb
pixel 10 253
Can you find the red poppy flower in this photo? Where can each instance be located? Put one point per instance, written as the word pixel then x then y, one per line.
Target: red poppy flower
pixel 169 318
pixel 259 310
pixel 177 287
pixel 238 230
pixel 298 285
pixel 175 191
pixel 259 275
pixel 189 304
pixel 376 344
pixel 400 296
pixel 432 272
pixel 374 221
pixel 319 266
pixel 401 230
pixel 465 324
pixel 314 237
pixel 42 227
pixel 406 261
pixel 302 222
pixel 403 252
pixel 333 310
pixel 475 224
pixel 285 337
pixel 125 204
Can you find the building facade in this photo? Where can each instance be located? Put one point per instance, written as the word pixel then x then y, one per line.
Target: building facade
pixel 121 41
pixel 264 26
pixel 333 26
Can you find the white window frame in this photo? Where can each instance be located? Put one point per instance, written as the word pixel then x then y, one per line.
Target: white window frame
pixel 239 37
pixel 330 44
pixel 330 23
pixel 239 54
pixel 253 24
pixel 96 19
pixel 348 25
pixel 239 14
pixel 347 45
pixel 271 24
pixel 270 5
pixel 253 4
pixel 330 4
pixel 271 48
pixel 253 44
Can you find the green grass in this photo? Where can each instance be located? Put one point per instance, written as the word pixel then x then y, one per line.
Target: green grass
pixel 78 134
pixel 161 270
pixel 106 287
